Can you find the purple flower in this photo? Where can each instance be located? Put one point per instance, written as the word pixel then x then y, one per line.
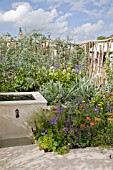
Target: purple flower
pixel 54 120
pixel 44 132
pixel 78 67
pixel 73 71
pixel 64 65
pixel 56 66
pixel 71 108
pixel 35 122
pixel 71 128
pixel 33 131
pixel 109 107
pixel 91 131
pixel 84 130
pixel 96 109
pixel 35 125
pixel 67 121
pixel 76 137
pixel 58 109
pixel 47 121
pixel 65 129
pixel 3 59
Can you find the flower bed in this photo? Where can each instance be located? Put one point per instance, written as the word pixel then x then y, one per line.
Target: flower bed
pixel 89 123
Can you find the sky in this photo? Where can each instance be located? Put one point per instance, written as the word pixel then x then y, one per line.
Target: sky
pixel 80 20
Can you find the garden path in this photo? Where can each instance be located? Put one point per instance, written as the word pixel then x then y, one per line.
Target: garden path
pixel 29 157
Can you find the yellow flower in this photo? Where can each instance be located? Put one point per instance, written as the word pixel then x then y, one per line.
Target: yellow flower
pixel 64 71
pixel 99 104
pixel 69 68
pixel 51 67
pixel 83 101
pixel 93 101
pixel 50 74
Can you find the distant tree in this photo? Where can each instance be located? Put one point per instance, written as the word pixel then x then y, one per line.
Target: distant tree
pixel 101 37
pixel 111 36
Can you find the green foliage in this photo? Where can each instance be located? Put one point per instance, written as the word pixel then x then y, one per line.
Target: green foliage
pixel 27 65
pixel 47 143
pixel 109 76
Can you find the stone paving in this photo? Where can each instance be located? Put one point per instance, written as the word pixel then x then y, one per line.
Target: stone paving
pixel 29 157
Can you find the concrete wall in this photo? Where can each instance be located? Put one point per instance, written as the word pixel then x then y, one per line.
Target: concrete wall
pixel 12 129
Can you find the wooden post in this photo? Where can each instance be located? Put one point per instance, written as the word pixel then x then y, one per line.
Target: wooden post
pixel 92 60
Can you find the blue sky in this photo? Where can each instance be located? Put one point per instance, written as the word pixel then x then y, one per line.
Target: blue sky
pixel 81 20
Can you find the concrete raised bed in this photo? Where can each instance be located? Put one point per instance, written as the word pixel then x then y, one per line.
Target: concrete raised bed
pixel 14 129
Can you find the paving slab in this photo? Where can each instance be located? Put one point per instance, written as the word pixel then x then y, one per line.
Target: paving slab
pixel 29 157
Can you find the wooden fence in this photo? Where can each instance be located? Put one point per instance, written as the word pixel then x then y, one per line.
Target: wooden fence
pixel 97 53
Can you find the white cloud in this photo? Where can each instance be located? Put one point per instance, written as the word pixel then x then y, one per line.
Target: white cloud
pixel 87 31
pixel 16 4
pixel 108 29
pixel 110 12
pixel 60 26
pixel 101 3
pixel 15 15
pixel 23 15
pixel 98 7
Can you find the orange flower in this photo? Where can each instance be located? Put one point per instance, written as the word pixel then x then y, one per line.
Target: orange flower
pixel 55 111
pixel 81 107
pixel 110 119
pixel 111 95
pixel 92 123
pixel 97 118
pixel 88 118
pixel 82 125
